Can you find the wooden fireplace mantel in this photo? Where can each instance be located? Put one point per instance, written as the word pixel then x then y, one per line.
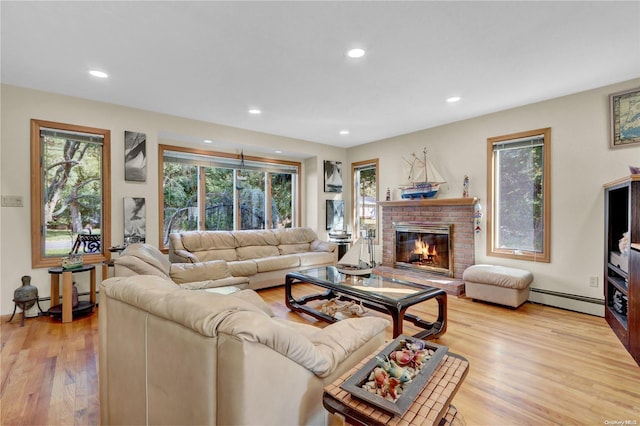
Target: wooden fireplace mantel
pixel 466 201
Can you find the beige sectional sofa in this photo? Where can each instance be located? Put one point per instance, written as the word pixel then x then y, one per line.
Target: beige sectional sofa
pixel 144 259
pixel 174 356
pixel 264 256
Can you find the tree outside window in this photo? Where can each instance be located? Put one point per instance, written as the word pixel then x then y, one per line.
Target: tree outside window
pixel 365 197
pixel 204 190
pixel 519 195
pixel 70 190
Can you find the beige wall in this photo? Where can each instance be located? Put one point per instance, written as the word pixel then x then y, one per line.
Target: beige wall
pixel 20 105
pixel 581 162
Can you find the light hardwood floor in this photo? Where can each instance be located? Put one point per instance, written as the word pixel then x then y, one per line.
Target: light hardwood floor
pixel 536 365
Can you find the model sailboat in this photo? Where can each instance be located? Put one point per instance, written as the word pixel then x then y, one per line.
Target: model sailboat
pixel 423 179
pixel 359 260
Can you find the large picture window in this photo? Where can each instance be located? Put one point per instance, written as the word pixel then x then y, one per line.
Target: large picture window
pixel 519 195
pixel 70 192
pixel 206 190
pixel 365 197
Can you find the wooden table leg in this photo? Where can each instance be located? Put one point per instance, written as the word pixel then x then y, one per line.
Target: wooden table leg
pixel 55 289
pixel 105 270
pixel 67 291
pixel 92 286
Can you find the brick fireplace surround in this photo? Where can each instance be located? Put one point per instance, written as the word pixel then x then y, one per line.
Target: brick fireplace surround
pixel 455 211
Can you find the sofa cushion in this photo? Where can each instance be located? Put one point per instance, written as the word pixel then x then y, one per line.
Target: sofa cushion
pixel 254 252
pixel 293 248
pixel 243 268
pixel 228 255
pixel 276 263
pixel 194 241
pixel 189 272
pixel 295 235
pixel 255 237
pixel 316 258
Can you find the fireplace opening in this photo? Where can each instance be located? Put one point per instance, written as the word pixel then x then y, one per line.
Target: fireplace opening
pixel 423 246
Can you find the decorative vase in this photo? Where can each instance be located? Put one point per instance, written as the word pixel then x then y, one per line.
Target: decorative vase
pixel 26 295
pixel 74 296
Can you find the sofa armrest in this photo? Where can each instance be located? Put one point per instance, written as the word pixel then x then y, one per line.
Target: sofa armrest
pixel 182 256
pixel 319 245
pixel 325 246
pixel 128 265
pixel 321 353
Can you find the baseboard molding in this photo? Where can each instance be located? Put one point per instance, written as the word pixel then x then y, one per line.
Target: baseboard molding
pixel 572 302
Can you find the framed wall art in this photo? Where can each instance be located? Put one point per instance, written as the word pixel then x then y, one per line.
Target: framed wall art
pixel 135 156
pixel 332 176
pixel 335 215
pixel 625 118
pixel 135 220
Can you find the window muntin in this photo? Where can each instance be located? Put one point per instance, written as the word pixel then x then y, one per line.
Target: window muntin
pixel 70 191
pixel 519 195
pixel 365 197
pixel 206 190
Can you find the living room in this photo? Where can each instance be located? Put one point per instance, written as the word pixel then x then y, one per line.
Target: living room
pixel 582 162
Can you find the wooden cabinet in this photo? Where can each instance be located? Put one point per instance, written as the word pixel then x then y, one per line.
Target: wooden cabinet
pixel 622 264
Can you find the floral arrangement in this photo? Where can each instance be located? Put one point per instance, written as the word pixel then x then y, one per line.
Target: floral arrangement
pixel 394 373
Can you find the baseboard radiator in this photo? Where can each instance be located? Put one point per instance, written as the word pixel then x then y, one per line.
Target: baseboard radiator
pixel 572 302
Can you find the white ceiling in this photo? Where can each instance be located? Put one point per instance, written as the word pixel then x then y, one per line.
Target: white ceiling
pixel 212 61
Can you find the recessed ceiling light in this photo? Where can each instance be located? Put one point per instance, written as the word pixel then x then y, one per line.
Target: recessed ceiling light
pixel 356 53
pixel 277 151
pixel 98 74
pixel 255 111
pixel 344 132
pixel 207 141
pixel 453 99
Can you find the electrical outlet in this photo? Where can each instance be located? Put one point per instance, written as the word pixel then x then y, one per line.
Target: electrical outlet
pixel 11 201
pixel 593 281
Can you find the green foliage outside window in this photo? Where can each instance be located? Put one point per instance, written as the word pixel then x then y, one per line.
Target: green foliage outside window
pixel 521 199
pixel 246 199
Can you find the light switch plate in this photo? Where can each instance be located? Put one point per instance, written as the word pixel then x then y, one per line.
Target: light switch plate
pixel 11 201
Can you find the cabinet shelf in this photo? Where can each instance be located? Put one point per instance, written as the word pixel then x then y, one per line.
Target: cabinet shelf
pixel 621 318
pixel 619 271
pixel 619 283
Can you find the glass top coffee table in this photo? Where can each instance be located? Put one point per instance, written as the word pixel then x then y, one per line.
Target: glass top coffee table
pixel 375 292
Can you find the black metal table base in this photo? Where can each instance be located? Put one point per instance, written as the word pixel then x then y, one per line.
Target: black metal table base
pixel 398 311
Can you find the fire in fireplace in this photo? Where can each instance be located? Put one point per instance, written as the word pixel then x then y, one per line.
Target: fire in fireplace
pixel 423 246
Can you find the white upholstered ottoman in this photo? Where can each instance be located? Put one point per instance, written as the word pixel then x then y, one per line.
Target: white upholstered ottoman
pixel 497 284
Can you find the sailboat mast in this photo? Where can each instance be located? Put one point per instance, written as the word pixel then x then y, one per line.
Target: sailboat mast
pixel 426 169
